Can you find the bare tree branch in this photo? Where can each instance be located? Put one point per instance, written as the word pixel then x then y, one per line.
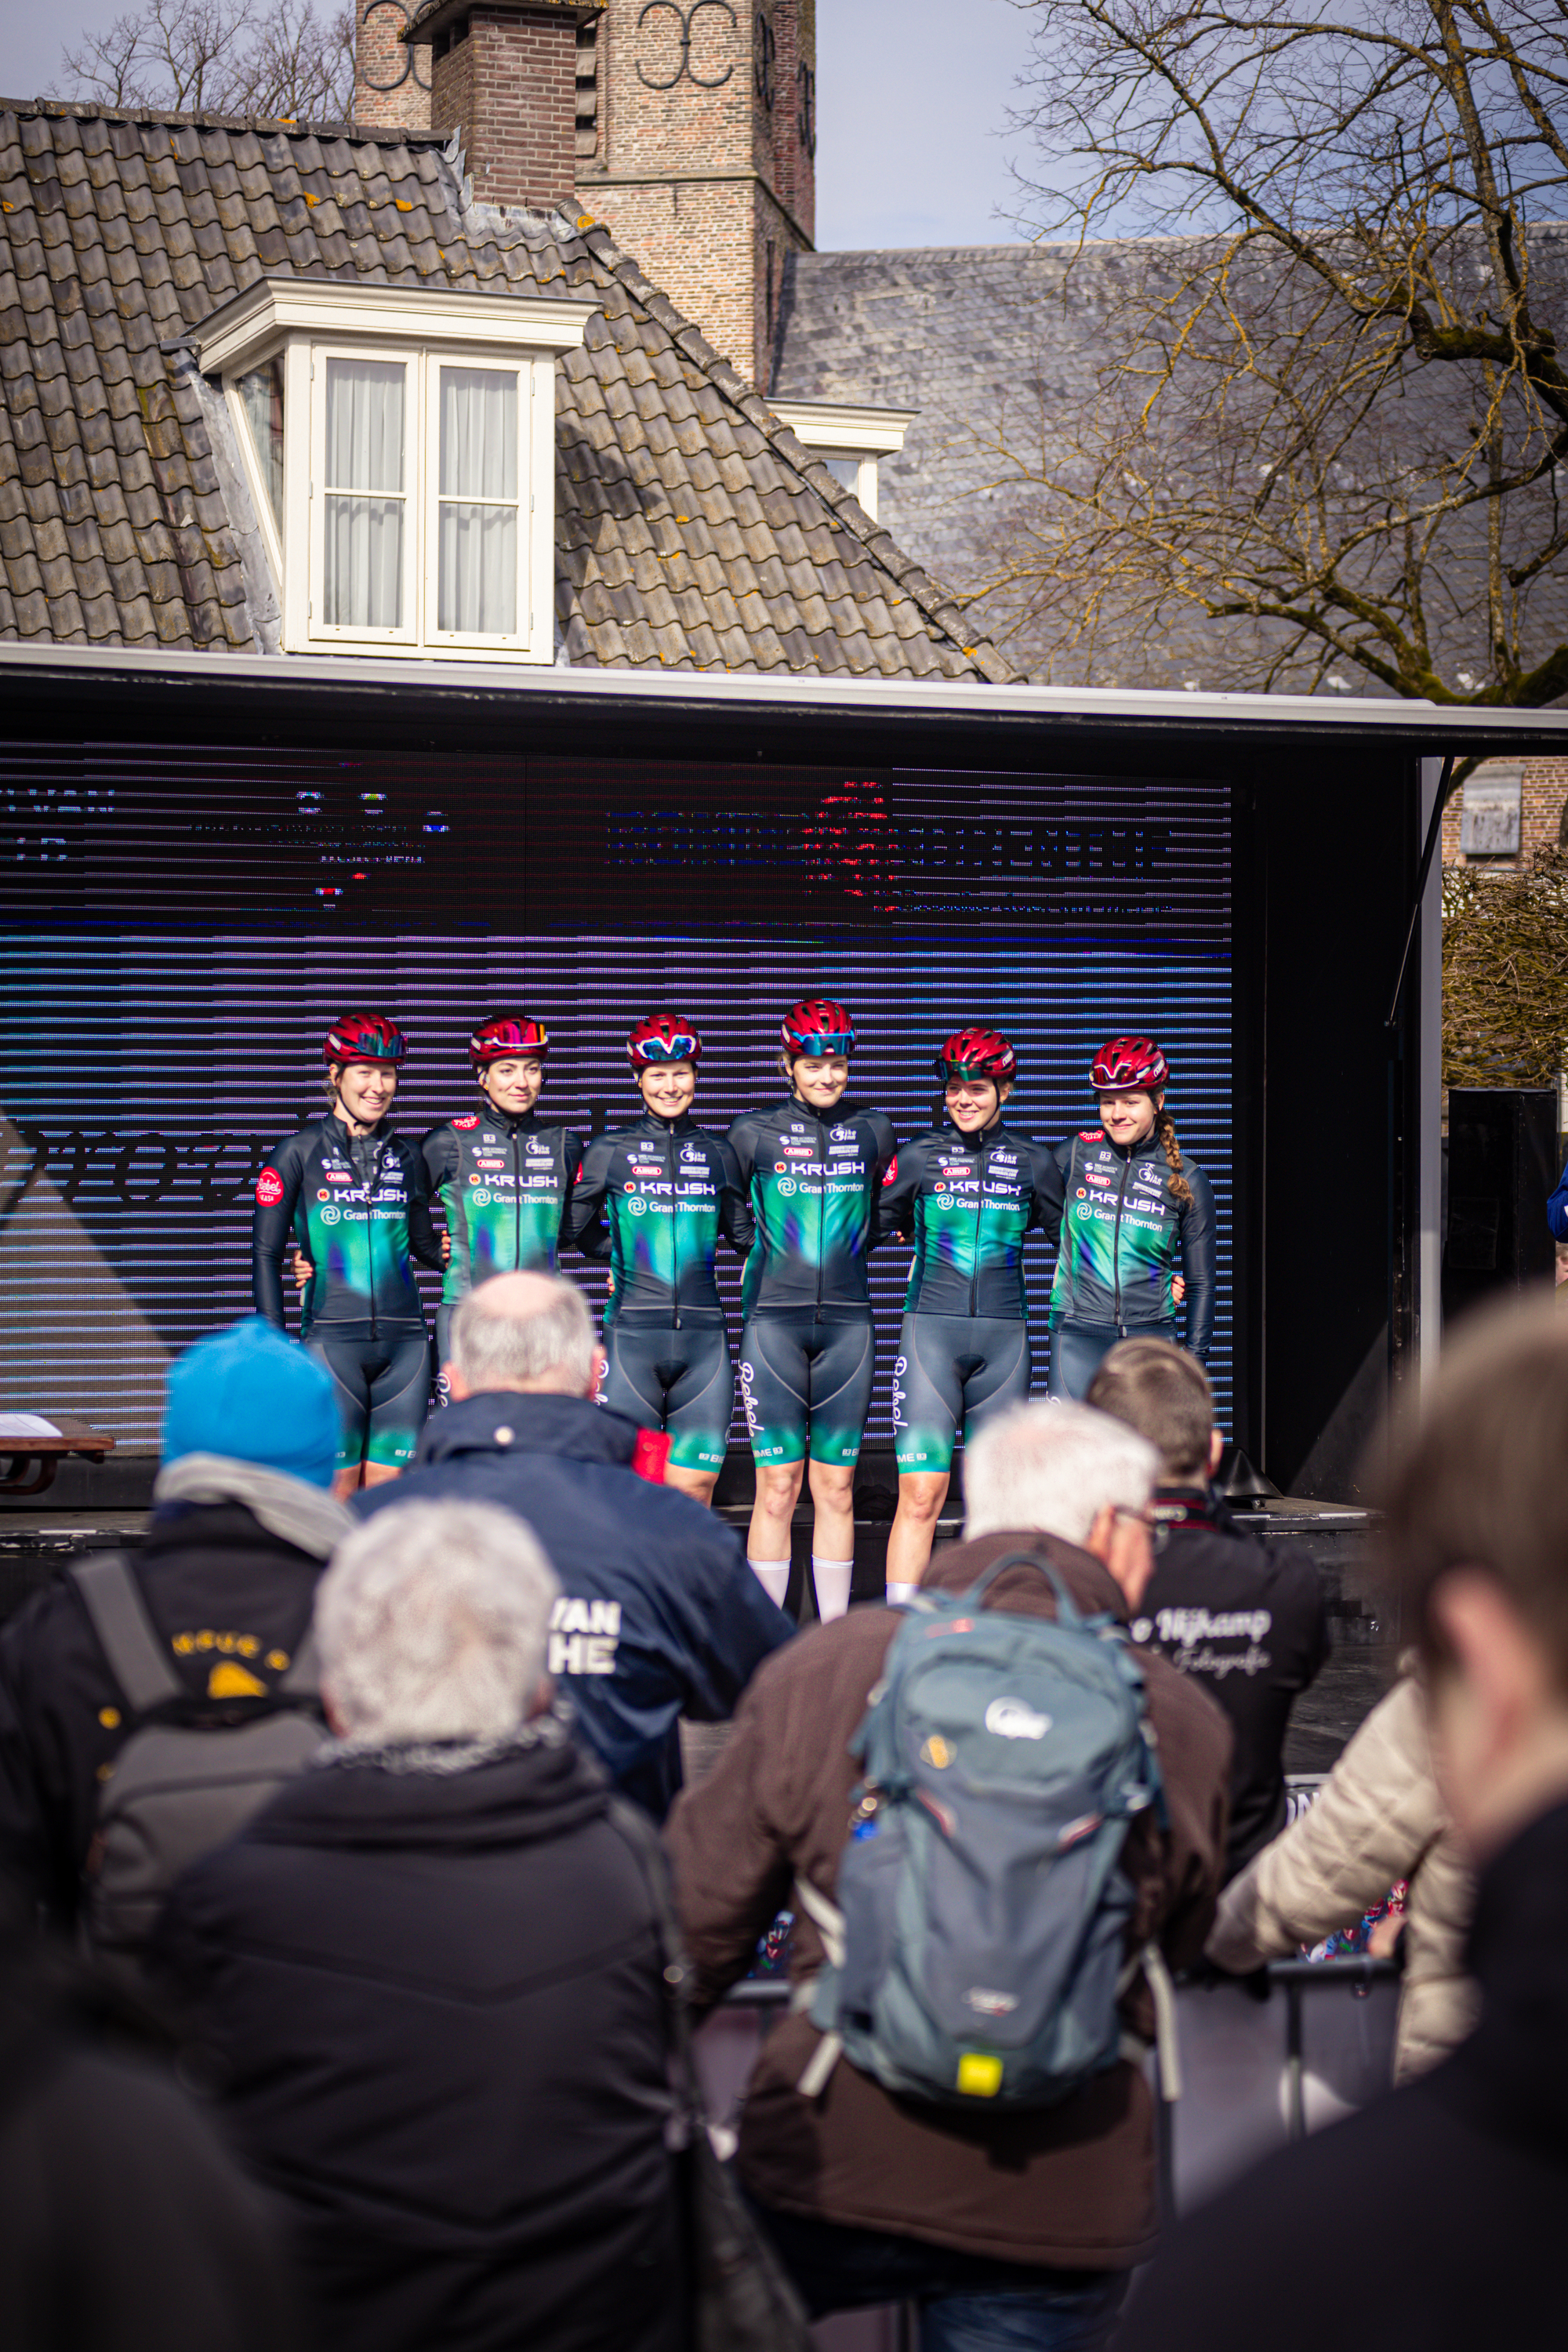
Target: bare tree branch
pixel 277 61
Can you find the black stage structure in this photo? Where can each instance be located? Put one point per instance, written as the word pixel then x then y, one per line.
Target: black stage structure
pixel 205 858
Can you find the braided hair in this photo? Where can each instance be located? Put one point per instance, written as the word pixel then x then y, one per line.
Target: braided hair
pixel 1180 1191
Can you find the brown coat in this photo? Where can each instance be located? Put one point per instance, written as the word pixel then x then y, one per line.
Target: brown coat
pixel 1072 2185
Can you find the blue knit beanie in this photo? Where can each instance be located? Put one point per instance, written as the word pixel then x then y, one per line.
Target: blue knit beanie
pixel 255 1396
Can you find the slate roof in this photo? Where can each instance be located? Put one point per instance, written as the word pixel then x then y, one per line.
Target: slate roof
pixel 970 335
pixel 692 529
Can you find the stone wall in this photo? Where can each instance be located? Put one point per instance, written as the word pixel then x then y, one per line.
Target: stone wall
pixel 1543 797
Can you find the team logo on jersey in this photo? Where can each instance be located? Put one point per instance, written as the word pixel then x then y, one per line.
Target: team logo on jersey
pixel 781 1167
pixel 692 1155
pixel 1086 1211
pixel 628 1188
pixel 268 1189
pixel 789 1187
pixel 637 1207
pixel 339 1176
pixel 331 1216
pixel 1003 1160
pixel 483 1197
pixel 324 1195
pixel 1081 1193
pixel 490 1163
pixel 1091 1135
pixel 843 1135
pixel 469 1118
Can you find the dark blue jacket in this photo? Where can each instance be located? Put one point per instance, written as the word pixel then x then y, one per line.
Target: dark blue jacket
pixel 659 1615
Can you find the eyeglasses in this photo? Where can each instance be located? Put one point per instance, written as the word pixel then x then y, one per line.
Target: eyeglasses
pixel 1144 1519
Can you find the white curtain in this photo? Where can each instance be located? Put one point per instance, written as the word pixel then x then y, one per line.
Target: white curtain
pixel 478 502
pixel 364 502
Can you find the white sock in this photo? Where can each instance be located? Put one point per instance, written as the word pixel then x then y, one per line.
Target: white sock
pixel 832 1579
pixel 772 1575
pixel 898 1594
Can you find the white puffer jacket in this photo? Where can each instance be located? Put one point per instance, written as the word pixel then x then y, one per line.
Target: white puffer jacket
pixel 1378 1817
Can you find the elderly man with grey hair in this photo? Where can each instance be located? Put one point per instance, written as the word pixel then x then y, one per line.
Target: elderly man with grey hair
pixel 431 1980
pixel 658 1614
pixel 1021 2227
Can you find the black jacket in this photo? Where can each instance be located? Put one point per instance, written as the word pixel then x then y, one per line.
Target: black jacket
pixel 659 1615
pixel 231 1599
pixel 437 1997
pixel 1434 2218
pixel 1248 1619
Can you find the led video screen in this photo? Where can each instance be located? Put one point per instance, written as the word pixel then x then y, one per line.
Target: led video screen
pixel 182 924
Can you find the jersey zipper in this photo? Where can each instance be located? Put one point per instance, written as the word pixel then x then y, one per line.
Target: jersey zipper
pixel 979 1210
pixel 821 1210
pixel 674 1230
pixel 1116 1244
pixel 516 1198
pixel 374 1186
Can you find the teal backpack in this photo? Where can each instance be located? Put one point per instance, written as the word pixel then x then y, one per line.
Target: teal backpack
pixel 976 1952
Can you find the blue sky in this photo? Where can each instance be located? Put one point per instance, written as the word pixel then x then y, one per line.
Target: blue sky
pixel 911 97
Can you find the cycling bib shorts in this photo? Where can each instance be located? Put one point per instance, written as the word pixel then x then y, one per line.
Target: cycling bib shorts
pixel 384 1393
pixel 805 1387
pixel 953 1372
pixel 1077 1350
pixel 675 1378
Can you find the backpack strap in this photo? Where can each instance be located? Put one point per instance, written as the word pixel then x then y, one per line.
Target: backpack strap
pixel 1068 1612
pixel 828 1920
pixel 304 1679
pixel 1150 1964
pixel 113 1599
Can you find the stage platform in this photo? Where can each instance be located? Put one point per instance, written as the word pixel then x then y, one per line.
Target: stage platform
pixel 104 1505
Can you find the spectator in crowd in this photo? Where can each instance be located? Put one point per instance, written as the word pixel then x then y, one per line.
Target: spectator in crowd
pixel 242 1526
pixel 1379 1818
pixel 659 1615
pixel 429 1974
pixel 1435 2215
pixel 123 2218
pixel 1010 2227
pixel 1247 1617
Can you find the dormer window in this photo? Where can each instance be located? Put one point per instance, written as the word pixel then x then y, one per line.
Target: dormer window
pixel 400 448
pixel 850 442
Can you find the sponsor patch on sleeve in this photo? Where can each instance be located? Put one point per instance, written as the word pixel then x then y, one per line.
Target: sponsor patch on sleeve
pixel 893 1171
pixel 268 1189
pixel 1091 1135
pixel 472 1119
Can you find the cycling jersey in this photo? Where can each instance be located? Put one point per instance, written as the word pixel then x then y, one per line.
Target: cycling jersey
pixel 967 1202
pixel 504 1184
pixel 359 1208
pixel 953 1372
pixel 1124 1239
pixel 653 1199
pixel 812 1179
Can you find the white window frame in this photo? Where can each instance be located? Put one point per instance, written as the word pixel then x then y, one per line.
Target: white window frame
pixel 858 437
pixel 308 322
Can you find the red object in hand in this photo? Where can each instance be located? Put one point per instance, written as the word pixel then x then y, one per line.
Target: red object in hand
pixel 650 1455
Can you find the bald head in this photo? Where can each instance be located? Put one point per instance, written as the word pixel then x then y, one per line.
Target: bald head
pixel 526 1331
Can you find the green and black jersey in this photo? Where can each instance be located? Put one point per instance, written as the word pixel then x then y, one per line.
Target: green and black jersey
pixel 1125 1240
pixel 505 1185
pixel 812 1178
pixel 967 1202
pixel 359 1208
pixel 653 1199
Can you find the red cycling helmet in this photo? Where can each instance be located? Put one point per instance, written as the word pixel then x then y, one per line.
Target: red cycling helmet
pixel 974 1052
pixel 818 1025
pixel 508 1037
pixel 663 1037
pixel 363 1038
pixel 1125 1065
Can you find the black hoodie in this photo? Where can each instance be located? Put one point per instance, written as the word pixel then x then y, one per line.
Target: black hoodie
pixel 1433 2219
pixel 432 1987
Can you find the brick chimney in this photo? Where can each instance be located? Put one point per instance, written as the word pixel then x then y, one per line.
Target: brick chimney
pixel 502 74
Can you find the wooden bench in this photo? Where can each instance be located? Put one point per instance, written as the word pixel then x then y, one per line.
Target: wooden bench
pixel 31 1454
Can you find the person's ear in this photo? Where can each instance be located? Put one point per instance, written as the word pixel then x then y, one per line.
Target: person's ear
pixel 457 1387
pixel 1004 1089
pixel 544 1699
pixel 335 1723
pixel 1217 1451
pixel 1099 1537
pixel 596 1376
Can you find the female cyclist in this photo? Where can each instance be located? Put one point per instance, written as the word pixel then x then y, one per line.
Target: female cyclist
pixel 503 1180
pixel 966 1194
pixel 1137 1221
pixel 653 1199
pixel 353 1197
pixel 812 1167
